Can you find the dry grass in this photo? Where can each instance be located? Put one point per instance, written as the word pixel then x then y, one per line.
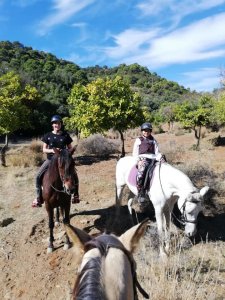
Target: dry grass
pixel 196 273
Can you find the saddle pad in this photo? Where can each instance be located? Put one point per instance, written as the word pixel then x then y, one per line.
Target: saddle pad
pixel 132 176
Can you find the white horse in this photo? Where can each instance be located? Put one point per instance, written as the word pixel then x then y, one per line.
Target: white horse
pixel 168 186
pixel 108 270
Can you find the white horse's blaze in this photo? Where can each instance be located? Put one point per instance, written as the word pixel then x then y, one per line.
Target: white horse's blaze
pixel 169 185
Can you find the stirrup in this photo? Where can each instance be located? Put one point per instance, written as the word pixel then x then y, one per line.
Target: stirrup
pixel 142 197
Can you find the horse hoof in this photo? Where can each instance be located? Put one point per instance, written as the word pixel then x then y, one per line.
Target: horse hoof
pixel 66 247
pixel 49 250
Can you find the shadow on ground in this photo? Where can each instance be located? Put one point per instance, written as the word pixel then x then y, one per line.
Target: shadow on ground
pixel 114 219
pixel 92 159
pixel 211 228
pixel 211 224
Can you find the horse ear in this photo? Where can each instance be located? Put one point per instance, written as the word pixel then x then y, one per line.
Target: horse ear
pixel 72 150
pixel 77 236
pixel 132 236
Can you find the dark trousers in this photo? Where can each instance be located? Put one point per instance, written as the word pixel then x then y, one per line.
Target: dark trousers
pixel 143 165
pixel 39 176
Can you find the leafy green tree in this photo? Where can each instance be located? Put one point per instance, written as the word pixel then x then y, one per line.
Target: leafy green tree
pixel 219 110
pixel 167 112
pixel 102 105
pixel 15 105
pixel 195 114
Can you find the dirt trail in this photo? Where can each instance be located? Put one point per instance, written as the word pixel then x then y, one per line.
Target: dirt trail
pixel 27 271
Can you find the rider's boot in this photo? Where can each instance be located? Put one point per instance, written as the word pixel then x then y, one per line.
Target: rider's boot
pixel 38 201
pixel 141 195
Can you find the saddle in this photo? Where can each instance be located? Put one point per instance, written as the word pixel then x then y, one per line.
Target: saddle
pixel 148 175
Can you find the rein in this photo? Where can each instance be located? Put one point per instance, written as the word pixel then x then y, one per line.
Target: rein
pixel 62 191
pixel 104 243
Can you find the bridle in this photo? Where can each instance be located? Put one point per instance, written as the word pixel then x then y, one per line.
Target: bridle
pixel 62 178
pixel 104 243
pixel 184 219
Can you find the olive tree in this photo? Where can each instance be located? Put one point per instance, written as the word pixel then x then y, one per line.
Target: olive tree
pixel 104 104
pixel 15 106
pixel 195 114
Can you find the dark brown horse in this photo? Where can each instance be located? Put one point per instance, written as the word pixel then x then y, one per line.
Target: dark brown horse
pixel 59 182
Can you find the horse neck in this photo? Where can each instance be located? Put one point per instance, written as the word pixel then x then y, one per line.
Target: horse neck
pixel 89 281
pixel 177 178
pixel 118 278
pixel 111 277
pixel 53 172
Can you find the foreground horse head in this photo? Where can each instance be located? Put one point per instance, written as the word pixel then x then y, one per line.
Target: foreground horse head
pixel 107 270
pixel 59 182
pixel 168 185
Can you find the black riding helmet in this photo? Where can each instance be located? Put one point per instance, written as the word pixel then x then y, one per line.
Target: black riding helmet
pixel 56 118
pixel 146 125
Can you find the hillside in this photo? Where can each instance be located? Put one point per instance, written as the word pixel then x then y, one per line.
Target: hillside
pixel 55 77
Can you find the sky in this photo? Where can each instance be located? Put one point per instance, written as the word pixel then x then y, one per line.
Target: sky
pixel 180 40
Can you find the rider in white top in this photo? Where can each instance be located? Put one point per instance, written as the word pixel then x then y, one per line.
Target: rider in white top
pixel 145 149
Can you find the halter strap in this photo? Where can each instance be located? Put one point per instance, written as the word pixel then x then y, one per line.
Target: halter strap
pixel 184 219
pixel 104 243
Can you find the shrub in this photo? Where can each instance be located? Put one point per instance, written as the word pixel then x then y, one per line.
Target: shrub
pixel 36 146
pixel 98 145
pixel 174 154
pixel 25 159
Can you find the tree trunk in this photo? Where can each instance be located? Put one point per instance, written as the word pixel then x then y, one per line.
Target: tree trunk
pixel 122 140
pixel 3 151
pixel 198 136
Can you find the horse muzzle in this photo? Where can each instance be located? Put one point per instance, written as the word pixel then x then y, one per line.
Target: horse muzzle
pixel 190 230
pixel 68 190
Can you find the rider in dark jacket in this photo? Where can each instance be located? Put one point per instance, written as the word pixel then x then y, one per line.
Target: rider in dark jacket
pixel 57 138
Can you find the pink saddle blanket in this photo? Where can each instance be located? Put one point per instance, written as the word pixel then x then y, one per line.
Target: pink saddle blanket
pixel 132 176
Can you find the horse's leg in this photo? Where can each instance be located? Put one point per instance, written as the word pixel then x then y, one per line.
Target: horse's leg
pixel 167 228
pixel 51 228
pixel 57 215
pixel 119 190
pixel 160 226
pixel 131 212
pixel 66 220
